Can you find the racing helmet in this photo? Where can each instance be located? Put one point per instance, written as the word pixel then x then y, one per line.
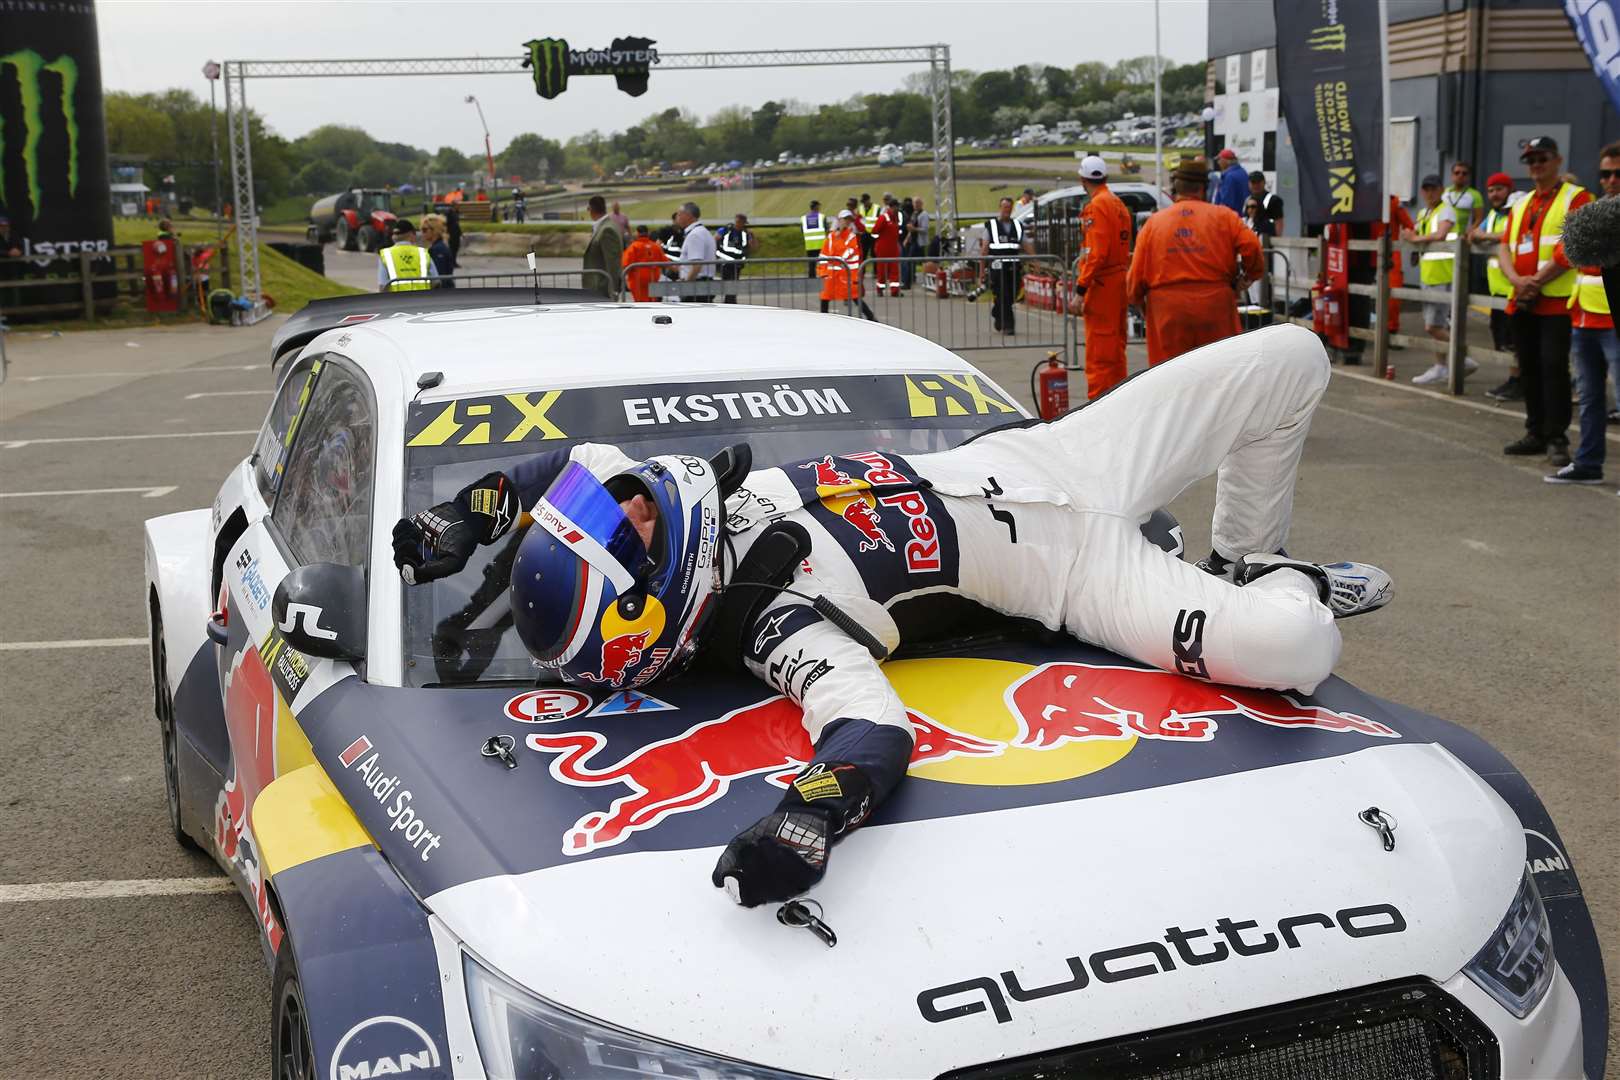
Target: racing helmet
pixel 592 601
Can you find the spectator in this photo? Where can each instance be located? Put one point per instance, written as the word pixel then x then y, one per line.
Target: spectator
pixel 438 249
pixel 1539 306
pixel 840 265
pixel 886 247
pixel 9 247
pixel 621 221
pixel 1004 242
pixel 1268 204
pixel 697 248
pixel 520 206
pixel 1595 347
pixel 671 237
pixel 1026 198
pixel 733 244
pixel 905 215
pixel 814 226
pixel 452 231
pixel 403 266
pixel 1467 202
pixel 1234 186
pixel 166 230
pixel 1436 262
pixel 865 223
pixel 638 279
pixel 926 244
pixel 603 251
pixel 1499 191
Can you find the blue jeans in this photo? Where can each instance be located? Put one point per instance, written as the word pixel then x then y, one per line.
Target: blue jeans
pixel 1597 358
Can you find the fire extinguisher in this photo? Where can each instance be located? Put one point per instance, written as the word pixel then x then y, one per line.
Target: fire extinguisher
pixel 1052 397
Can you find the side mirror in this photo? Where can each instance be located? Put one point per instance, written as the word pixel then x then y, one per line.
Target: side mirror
pixel 321 610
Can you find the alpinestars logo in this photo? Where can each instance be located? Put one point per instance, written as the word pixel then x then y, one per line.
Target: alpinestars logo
pixel 628 60
pixel 29 66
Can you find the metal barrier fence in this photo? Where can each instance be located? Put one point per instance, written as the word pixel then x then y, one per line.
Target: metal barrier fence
pixel 84 276
pixel 950 301
pixel 1456 296
pixel 596 281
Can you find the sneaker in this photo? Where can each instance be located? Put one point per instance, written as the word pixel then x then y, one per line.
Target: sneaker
pixel 1347 588
pixel 1470 365
pixel 1614 416
pixel 1437 373
pixel 1215 566
pixel 1508 391
pixel 1558 453
pixel 1525 447
pixel 1576 474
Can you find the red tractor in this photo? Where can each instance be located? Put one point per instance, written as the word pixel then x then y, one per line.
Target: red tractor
pixel 361 219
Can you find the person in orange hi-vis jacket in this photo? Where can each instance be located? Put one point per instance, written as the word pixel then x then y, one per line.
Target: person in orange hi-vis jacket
pixel 643 249
pixel 886 247
pixel 1100 278
pixel 840 265
pixel 1192 260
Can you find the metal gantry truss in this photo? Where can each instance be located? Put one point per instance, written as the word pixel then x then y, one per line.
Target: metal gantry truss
pixel 237 120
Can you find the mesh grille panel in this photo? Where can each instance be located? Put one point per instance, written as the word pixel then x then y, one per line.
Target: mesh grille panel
pixel 1405 1049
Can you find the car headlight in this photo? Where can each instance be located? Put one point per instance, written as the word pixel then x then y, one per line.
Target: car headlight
pixel 1516 965
pixel 523 1037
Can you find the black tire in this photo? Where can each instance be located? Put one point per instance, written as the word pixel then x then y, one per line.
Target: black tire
pixel 292 1052
pixel 163 706
pixel 368 238
pixel 345 236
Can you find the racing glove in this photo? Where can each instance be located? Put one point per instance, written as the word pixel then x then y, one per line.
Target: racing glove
pixel 437 542
pixel 785 852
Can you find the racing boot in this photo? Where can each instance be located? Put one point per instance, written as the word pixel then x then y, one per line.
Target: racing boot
pixel 1347 588
pixel 1215 565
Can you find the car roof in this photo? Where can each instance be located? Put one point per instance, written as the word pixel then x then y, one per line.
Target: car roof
pixel 1079 189
pixel 486 350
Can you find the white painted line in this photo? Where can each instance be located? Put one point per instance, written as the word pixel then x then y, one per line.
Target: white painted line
pixel 123 374
pixel 146 492
pixel 229 393
pixel 1406 387
pixel 114 890
pixel 74 643
pixel 13 444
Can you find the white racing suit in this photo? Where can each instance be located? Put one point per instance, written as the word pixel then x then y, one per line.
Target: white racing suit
pixel 1043 520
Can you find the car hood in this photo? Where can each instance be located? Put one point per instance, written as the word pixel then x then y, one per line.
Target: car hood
pixel 1062 803
pixel 943 925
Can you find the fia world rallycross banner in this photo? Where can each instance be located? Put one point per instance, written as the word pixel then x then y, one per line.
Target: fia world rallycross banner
pixel 53 144
pixel 1329 55
pixel 1597 25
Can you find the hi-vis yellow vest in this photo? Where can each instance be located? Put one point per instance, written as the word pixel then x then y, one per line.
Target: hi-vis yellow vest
pixel 1589 294
pixel 869 216
pixel 406 262
pixel 1552 230
pixel 1494 278
pixel 1434 268
pixel 814 237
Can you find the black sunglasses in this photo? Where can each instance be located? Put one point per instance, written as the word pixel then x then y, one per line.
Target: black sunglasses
pixel 1604 174
pixel 1536 159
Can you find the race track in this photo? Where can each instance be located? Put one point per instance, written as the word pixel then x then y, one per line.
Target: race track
pixel 123 955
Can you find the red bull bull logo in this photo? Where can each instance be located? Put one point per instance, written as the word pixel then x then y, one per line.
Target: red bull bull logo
pixel 977 721
pixel 829 475
pixel 861 512
pixel 691 770
pixel 618 654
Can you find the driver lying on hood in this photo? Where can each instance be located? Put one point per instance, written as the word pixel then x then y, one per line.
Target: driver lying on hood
pixel 629 567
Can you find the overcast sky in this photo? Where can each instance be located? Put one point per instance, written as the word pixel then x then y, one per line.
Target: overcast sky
pixel 156 45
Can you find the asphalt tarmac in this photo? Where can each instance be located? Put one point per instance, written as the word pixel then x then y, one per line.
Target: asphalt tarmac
pixel 120 954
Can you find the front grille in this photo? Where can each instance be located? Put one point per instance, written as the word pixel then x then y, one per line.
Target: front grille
pixel 1395 1031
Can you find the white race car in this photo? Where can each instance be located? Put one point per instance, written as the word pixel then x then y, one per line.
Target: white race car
pixel 459 871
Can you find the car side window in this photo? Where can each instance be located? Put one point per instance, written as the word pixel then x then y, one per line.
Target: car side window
pixel 323 509
pixel 270 449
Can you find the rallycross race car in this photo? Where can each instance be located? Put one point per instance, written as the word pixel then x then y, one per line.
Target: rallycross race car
pixel 459 869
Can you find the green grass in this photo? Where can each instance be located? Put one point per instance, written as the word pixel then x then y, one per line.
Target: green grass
pixel 972 197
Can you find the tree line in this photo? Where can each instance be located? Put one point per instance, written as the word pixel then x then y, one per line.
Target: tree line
pixel 172 130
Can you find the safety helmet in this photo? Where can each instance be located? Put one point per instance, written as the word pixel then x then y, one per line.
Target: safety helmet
pixel 593 602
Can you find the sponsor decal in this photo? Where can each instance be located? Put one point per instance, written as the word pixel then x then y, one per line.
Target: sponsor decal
pixel 354 750
pixel 546 705
pixel 1188 644
pixel 780 401
pixel 953 395
pixel 289 668
pixel 922 550
pixel 395 799
pixel 383 1046
pixel 252 581
pixel 770 631
pixel 808 670
pixel 1197 947
pixel 310 616
pixel 697 767
pixel 514 417
pixel 650 670
pixel 631 701
pixel 618 653
pixel 819 782
pixel 629 60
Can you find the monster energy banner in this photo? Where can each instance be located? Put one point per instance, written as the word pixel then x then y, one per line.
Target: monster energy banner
pixel 53 145
pixel 628 60
pixel 1329 55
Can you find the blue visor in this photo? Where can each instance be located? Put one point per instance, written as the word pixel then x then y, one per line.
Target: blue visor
pixel 580 498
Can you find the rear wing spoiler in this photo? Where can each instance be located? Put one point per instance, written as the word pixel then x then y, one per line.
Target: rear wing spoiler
pixel 319 316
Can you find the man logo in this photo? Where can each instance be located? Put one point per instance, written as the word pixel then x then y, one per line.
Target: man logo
pixel 1342 186
pixel 29 66
pixel 549 59
pixel 1328 38
pixel 383 1046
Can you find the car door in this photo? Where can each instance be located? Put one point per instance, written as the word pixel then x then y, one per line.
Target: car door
pixel 320 511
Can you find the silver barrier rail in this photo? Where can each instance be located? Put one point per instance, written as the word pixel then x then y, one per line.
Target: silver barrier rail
pixel 597 281
pixel 770 282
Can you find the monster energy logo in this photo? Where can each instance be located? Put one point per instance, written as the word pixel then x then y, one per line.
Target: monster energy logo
pixel 1327 38
pixel 628 60
pixel 29 64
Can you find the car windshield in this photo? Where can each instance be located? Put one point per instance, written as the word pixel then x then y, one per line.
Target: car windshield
pixel 457 631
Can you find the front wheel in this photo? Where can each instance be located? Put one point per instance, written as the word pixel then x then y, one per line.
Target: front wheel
pixel 164 706
pixel 369 238
pixel 345 235
pixel 292 1051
